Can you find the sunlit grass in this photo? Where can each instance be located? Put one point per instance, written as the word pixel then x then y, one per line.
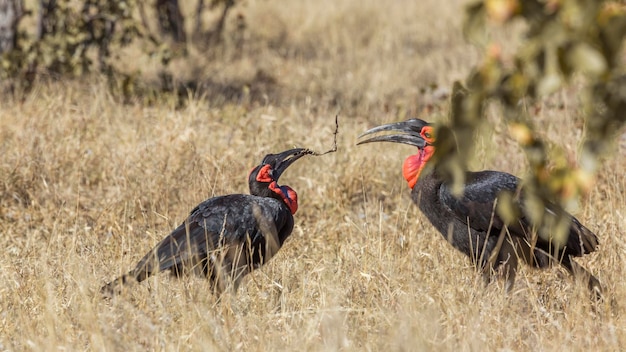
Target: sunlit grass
pixel 89 185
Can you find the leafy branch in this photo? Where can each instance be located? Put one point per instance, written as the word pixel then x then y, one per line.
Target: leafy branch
pixel 563 39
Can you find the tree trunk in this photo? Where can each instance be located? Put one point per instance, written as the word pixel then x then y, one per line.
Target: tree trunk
pixel 219 27
pixel 199 9
pixel 171 21
pixel 10 14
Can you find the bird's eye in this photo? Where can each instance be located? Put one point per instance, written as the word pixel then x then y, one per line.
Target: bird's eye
pixel 427 134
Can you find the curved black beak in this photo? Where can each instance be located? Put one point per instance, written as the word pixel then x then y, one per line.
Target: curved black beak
pixel 282 161
pixel 410 133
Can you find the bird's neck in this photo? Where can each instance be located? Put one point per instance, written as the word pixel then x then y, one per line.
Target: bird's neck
pixel 286 194
pixel 414 164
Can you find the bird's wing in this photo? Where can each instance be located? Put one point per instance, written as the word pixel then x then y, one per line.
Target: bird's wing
pixel 188 242
pixel 227 223
pixel 477 208
pixel 580 240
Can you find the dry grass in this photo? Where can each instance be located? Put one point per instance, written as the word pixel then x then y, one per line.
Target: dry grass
pixel 89 185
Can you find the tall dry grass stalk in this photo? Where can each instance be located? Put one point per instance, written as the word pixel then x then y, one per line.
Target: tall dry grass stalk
pixel 88 185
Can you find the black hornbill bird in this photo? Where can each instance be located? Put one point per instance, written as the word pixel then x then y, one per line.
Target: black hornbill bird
pixel 470 222
pixel 226 237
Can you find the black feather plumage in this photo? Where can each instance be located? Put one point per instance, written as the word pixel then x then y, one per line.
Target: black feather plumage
pixel 471 222
pixel 227 237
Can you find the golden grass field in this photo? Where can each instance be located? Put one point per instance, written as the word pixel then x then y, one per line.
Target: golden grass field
pixel 88 185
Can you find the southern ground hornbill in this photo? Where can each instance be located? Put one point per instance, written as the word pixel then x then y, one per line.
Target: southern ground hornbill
pixel 227 237
pixel 470 222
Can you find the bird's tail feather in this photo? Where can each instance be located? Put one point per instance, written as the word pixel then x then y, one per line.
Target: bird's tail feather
pixel 584 240
pixel 115 287
pixel 579 271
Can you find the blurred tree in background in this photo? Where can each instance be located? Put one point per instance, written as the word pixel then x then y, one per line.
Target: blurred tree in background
pixel 69 38
pixel 66 39
pixel 564 39
pixel 10 14
pixel 171 21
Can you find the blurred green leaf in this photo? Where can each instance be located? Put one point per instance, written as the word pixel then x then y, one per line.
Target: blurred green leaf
pixel 474 24
pixel 561 39
pixel 584 58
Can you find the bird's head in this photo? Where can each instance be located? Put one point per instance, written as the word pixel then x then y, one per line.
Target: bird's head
pixel 415 132
pixel 263 179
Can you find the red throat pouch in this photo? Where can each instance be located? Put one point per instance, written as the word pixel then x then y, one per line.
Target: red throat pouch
pixel 414 164
pixel 288 195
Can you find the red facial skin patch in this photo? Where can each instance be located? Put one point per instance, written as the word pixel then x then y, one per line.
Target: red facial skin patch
pixel 288 195
pixel 414 164
pixel 264 174
pixel 428 133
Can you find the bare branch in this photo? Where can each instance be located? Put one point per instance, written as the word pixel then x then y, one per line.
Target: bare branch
pixel 334 148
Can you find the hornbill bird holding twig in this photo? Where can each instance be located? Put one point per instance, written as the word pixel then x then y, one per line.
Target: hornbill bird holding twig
pixel 226 237
pixel 470 221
